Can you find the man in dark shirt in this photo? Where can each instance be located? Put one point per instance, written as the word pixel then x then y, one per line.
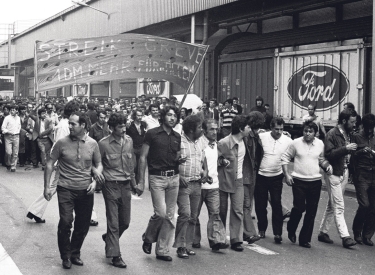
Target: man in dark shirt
pixel 162 149
pixel 92 113
pixel 118 170
pixel 100 129
pixel 363 163
pixel 137 132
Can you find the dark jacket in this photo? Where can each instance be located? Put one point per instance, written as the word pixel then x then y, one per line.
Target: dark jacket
pixel 134 134
pixel 335 150
pixel 254 144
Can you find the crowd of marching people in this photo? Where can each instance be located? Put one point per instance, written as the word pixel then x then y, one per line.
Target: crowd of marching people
pixel 215 155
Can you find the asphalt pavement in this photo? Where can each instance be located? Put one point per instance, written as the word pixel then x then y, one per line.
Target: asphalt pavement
pixel 33 247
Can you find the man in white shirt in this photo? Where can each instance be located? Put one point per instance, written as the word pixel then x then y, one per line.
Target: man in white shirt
pixel 152 120
pixel 11 130
pixel 306 181
pixel 311 116
pixel 269 179
pixel 210 192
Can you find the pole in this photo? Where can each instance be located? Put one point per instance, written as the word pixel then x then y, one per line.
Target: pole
pixel 192 81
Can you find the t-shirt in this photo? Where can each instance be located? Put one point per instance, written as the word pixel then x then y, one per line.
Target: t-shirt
pixel 75 161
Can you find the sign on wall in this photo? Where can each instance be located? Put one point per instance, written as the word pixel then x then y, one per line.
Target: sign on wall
pixel 75 61
pixel 322 85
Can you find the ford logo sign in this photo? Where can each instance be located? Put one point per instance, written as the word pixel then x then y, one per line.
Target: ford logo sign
pixel 322 85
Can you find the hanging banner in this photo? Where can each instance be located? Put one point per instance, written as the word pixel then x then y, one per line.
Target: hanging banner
pixel 74 61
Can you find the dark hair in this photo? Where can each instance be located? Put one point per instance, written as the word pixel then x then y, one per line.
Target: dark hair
pixel 349 105
pixel 166 109
pixel 311 125
pixel 153 106
pixel 368 121
pixel 214 100
pixel 235 98
pixel 207 122
pixel 346 114
pixel 90 106
pixel 70 107
pixel 41 110
pixel 134 113
pixel 256 120
pixel 101 112
pixel 230 101
pixel 116 119
pixel 276 121
pixel 15 107
pixel 82 107
pixel 191 123
pixel 239 123
pixel 48 103
pixel 108 109
pixel 21 107
pixel 266 105
pixel 183 108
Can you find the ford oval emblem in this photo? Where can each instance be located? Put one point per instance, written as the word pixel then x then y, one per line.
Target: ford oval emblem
pixel 322 85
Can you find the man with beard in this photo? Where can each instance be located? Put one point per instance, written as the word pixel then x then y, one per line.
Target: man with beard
pixel 161 148
pixel 338 149
pixel 78 157
pixel 363 163
pixel 308 155
pixel 190 184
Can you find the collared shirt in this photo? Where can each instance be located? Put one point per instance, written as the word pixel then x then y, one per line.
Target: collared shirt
pixel 98 132
pixel 193 151
pixel 151 122
pixel 228 116
pixel 162 155
pixel 117 158
pixel 11 125
pixel 307 159
pixel 273 149
pixel 54 117
pixel 42 125
pixel 75 161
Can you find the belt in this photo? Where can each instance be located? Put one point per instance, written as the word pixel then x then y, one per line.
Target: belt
pixel 118 181
pixel 12 134
pixel 167 173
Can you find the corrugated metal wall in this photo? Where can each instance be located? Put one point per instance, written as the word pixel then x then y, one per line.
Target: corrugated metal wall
pixel 125 15
pixel 246 80
pixel 348 61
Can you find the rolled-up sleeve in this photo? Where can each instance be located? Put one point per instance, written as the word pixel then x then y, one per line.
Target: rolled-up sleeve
pixel 288 155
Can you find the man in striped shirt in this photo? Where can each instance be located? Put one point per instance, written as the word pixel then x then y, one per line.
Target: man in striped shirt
pixel 189 194
pixel 227 116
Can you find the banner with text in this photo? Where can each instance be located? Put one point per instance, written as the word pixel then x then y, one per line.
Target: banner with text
pixel 74 61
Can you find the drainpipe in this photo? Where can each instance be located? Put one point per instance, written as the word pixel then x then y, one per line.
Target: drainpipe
pixel 205 28
pixel 192 39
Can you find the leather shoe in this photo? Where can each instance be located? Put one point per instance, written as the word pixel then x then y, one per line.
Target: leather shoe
pixel 305 245
pixel 224 246
pixel 182 253
pixel 147 247
pixel 358 239
pixel 37 219
pixel 237 247
pixel 164 258
pixel 278 239
pixel 324 237
pixel 368 242
pixel 262 234
pixel 104 236
pixel 118 262
pixel 190 252
pixel 67 264
pixel 76 261
pixel 287 215
pixel 216 247
pixel 292 237
pixel 196 245
pixel 348 242
pixel 252 239
pixel 94 223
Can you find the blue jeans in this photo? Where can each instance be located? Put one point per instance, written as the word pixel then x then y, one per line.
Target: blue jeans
pixel 164 192
pixel 215 228
pixel 188 203
pixel 117 198
pixel 82 204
